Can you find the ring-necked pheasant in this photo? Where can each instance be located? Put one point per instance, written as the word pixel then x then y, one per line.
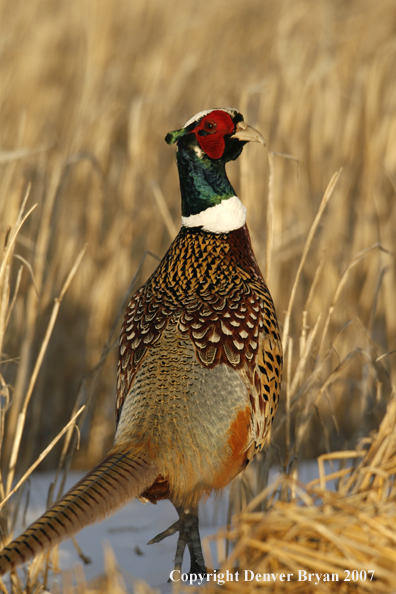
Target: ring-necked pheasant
pixel 200 360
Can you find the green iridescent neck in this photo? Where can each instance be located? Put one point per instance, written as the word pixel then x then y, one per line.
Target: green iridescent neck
pixel 203 181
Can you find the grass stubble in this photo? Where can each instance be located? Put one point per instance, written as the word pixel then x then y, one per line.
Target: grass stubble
pixel 88 195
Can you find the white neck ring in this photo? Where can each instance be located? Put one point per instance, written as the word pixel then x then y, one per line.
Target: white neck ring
pixel 227 216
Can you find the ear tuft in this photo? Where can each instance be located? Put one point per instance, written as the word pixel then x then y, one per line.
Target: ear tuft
pixel 174 136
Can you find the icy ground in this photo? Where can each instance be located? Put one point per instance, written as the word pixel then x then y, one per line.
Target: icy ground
pixel 129 530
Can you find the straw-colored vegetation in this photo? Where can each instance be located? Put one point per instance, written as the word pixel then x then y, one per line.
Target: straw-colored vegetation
pixel 345 540
pixel 88 90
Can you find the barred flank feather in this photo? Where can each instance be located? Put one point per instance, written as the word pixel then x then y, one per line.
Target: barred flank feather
pixel 116 479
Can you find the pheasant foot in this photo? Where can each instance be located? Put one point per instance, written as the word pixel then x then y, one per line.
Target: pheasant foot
pixel 187 526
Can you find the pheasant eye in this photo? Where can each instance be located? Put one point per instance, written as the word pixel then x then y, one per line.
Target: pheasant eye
pixel 210 126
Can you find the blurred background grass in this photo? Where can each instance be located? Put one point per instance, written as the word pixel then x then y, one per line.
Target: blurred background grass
pixel 89 89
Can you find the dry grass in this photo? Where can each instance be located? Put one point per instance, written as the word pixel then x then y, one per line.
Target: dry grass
pixel 88 91
pixel 322 531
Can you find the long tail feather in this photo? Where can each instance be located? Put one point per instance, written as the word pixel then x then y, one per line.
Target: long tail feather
pixel 116 479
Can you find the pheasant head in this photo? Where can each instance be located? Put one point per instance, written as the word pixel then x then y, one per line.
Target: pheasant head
pixel 204 145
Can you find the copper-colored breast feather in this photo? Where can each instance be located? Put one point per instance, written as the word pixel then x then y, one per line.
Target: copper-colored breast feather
pixel 213 286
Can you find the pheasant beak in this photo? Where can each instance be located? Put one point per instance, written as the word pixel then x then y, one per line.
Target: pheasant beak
pixel 246 133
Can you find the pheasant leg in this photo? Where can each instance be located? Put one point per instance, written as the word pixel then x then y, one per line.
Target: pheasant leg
pixel 187 526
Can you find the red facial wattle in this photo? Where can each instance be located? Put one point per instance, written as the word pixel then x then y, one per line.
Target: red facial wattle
pixel 214 127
